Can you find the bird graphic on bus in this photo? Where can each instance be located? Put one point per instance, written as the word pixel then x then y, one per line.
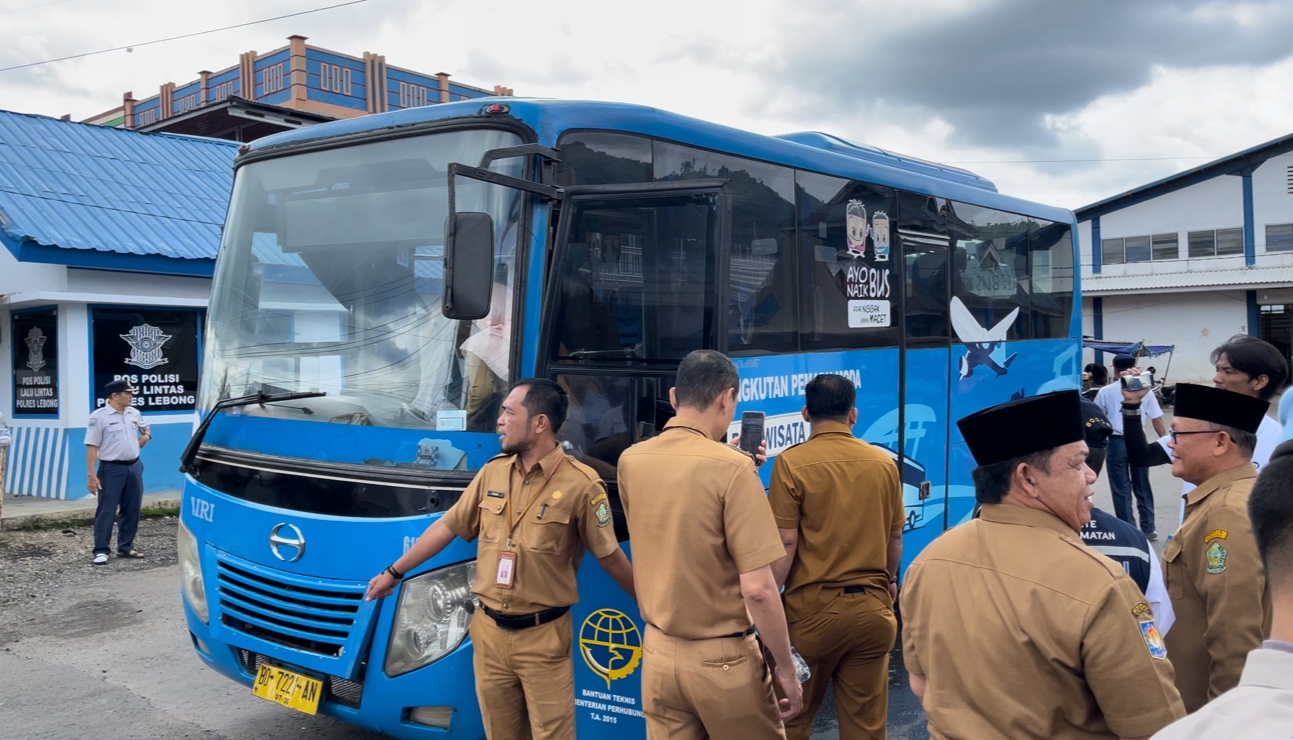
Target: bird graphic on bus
pixel 981 343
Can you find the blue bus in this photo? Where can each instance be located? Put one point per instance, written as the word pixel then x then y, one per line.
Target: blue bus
pixel 382 281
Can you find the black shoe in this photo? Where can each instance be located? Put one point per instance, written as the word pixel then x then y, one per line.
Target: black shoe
pixel 1151 536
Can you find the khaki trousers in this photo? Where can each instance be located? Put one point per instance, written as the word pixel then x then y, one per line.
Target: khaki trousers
pixel 847 642
pixel 718 688
pixel 525 681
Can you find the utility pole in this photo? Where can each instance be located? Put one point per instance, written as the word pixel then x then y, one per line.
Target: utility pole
pixel 6 439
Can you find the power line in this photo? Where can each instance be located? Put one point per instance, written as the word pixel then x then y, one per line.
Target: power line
pixel 1055 161
pixel 184 36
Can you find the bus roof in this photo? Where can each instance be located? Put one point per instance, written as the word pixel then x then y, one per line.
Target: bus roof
pixel 806 150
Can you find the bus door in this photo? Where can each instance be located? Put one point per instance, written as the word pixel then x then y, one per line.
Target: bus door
pixel 634 284
pixel 924 421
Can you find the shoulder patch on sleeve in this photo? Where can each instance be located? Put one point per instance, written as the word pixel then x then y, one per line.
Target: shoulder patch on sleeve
pixel 601 507
pixel 1216 534
pixel 1153 640
pixel 1216 556
pixel 1142 609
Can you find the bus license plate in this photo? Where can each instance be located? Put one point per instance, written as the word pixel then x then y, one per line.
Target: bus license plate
pixel 292 690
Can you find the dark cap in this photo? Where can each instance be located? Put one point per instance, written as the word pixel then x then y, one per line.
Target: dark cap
pixel 1220 406
pixel 1095 425
pixel 119 386
pixel 1123 362
pixel 1022 427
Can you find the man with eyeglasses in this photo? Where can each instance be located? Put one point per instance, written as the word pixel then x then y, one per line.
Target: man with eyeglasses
pixel 1213 571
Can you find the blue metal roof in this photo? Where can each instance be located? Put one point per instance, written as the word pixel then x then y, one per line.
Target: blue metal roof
pixel 93 196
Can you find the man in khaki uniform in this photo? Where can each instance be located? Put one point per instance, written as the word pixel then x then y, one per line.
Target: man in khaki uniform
pixel 838 503
pixel 535 509
pixel 1012 627
pixel 1213 572
pixel 1261 706
pixel 703 541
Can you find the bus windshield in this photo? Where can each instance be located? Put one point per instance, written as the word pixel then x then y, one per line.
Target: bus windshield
pixel 331 279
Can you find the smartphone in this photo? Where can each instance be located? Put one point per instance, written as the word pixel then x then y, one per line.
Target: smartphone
pixel 751 431
pixel 1138 382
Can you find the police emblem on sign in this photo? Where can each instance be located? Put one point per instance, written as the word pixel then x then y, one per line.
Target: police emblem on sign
pixel 146 346
pixel 35 342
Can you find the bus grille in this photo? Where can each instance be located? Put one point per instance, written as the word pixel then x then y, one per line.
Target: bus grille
pixel 313 618
pixel 338 690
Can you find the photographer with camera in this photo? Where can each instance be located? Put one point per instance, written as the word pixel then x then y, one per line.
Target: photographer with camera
pixel 1124 479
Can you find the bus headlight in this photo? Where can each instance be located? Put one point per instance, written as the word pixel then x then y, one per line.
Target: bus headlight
pixel 191 572
pixel 432 617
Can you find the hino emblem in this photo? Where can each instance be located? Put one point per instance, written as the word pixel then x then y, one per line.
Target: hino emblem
pixel 286 537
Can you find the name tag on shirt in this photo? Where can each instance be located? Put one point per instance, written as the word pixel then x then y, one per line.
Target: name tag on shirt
pixel 506 572
pixel 495 494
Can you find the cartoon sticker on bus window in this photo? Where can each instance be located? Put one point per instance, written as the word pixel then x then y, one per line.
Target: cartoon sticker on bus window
pixel 856 228
pixel 880 235
pixel 982 346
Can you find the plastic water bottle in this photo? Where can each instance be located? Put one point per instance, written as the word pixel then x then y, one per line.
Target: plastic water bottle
pixel 801 666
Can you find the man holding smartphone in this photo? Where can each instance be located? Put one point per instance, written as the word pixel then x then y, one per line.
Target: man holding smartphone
pixel 703 543
pixel 838 505
pixel 1124 480
pixel 114 436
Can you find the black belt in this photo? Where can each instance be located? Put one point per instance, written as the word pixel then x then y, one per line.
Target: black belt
pixel 120 462
pixel 523 621
pixel 854 589
pixel 748 631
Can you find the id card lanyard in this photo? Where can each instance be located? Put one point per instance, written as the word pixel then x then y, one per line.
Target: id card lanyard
pixel 505 573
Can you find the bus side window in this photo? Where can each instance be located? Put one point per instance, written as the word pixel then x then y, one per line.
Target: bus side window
pixel 990 261
pixel 849 266
pixel 1050 261
pixel 923 244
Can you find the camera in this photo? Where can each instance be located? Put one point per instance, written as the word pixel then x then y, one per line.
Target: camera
pixel 1138 382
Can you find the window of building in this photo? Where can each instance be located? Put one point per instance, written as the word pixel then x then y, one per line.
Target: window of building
pixel 1112 251
pixel 1279 237
pixel 1137 249
pixel 1216 243
pixel 1166 247
pixel 1230 241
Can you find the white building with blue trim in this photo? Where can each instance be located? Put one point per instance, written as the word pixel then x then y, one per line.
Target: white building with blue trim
pixel 109 240
pixel 1195 258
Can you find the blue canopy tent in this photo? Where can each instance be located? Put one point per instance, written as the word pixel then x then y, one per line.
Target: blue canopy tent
pixel 1135 349
pixel 1139 350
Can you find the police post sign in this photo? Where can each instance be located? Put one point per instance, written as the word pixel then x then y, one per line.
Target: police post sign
pixel 155 350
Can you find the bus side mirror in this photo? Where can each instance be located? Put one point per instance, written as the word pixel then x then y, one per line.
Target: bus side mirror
pixel 468 265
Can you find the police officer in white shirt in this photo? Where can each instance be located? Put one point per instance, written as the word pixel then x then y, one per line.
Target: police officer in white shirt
pixel 113 438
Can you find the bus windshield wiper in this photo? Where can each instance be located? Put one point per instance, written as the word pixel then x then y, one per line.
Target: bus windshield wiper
pixel 260 397
pixel 626 352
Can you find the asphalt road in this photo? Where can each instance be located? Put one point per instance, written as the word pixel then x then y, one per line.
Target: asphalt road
pixel 102 652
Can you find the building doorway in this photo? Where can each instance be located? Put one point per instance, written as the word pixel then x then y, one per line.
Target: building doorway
pixel 1276 327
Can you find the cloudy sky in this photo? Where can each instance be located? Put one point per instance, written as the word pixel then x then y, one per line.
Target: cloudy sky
pixel 1064 102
